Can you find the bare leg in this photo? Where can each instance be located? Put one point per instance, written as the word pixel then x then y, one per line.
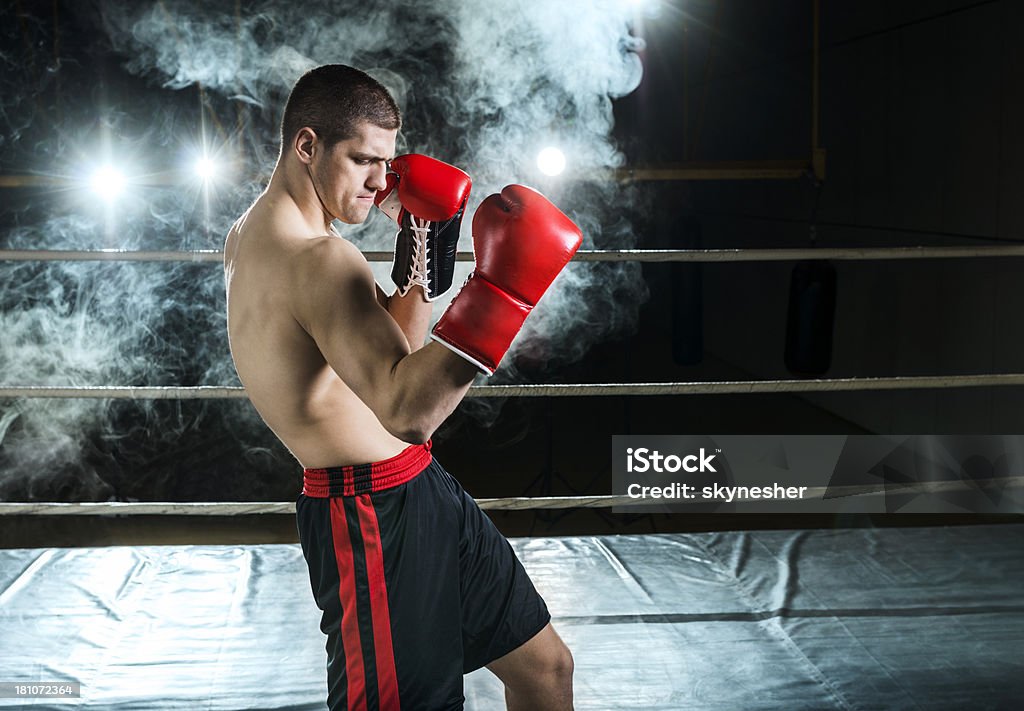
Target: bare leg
pixel 538 674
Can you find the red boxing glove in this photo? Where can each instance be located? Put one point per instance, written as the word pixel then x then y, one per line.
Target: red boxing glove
pixel 426 197
pixel 522 242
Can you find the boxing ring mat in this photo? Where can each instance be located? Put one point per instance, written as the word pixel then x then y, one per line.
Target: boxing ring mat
pixel 896 618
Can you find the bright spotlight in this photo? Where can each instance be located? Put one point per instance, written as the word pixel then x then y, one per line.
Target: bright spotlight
pixel 551 161
pixel 206 169
pixel 107 182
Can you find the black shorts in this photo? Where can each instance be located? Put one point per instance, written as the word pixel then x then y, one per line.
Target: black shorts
pixel 416 585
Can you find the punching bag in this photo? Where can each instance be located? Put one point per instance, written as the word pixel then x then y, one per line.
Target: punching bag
pixel 812 307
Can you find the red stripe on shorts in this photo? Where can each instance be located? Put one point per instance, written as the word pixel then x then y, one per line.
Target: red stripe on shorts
pixel 347 594
pixel 387 678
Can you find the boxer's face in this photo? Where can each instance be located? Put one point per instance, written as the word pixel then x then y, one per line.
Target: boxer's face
pixel 348 175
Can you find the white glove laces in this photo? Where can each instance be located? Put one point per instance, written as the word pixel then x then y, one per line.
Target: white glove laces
pixel 420 257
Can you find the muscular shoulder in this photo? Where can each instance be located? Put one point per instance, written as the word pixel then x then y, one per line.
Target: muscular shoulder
pixel 329 274
pixel 327 255
pixel 328 263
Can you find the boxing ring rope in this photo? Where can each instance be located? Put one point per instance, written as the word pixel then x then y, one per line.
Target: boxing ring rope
pixel 724 387
pixel 513 503
pixel 593 255
pixel 243 508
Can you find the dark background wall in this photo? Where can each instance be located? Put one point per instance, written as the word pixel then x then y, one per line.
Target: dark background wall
pixel 921 105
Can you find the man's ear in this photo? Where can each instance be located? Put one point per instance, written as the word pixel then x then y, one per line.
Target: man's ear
pixel 306 143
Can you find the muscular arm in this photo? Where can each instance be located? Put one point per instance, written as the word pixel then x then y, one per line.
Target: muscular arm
pixel 336 301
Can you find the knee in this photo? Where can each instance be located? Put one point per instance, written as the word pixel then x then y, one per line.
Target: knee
pixel 547 684
pixel 550 669
pixel 538 675
pixel 566 663
pixel 558 664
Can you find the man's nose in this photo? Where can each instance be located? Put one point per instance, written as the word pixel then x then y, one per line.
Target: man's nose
pixel 378 177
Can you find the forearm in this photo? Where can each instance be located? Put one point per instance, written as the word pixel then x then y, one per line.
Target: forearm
pixel 429 384
pixel 412 314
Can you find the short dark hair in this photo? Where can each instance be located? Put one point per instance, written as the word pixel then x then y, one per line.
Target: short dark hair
pixel 332 99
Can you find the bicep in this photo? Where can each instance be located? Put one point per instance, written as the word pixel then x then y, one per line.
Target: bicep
pixel 341 311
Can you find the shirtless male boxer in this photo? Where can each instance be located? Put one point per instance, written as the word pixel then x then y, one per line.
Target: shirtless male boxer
pixel 416 585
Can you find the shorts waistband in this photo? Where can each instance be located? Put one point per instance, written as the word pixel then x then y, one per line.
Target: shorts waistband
pixel 357 479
